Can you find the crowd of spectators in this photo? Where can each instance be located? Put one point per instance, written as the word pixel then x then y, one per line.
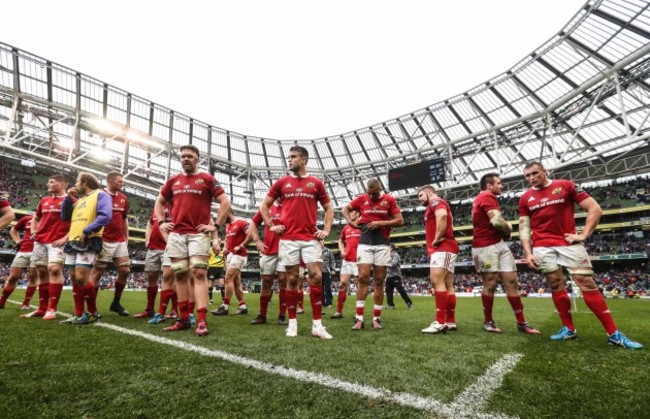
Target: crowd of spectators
pixel 27 185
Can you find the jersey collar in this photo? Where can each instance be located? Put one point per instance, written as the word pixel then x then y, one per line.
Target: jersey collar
pixel 546 185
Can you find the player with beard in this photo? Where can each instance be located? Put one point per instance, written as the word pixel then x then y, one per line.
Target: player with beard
pixel 115 239
pixel 493 259
pixel 190 233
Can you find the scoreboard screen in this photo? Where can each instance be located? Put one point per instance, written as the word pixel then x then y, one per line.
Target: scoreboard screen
pixel 418 174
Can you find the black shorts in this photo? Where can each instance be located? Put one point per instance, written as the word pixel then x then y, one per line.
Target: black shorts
pixel 215 273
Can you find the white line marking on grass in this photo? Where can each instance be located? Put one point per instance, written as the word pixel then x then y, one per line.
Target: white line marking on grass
pixel 475 397
pixel 466 405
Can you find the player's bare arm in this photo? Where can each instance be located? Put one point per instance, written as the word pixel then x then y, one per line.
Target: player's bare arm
pixel 524 235
pixel 497 220
pixel 265 212
pixel 255 236
pixel 15 236
pixel 159 209
pixel 224 209
pixel 327 225
pixel 341 246
pixel 36 222
pixel 346 210
pixel 594 212
pixel 147 233
pixel 441 226
pixel 125 229
pixel 6 216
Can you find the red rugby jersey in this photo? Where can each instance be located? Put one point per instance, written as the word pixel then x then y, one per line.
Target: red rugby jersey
pixel 51 227
pixel 271 240
pixel 300 197
pixel 484 232
pixel 551 210
pixel 350 236
pixel 113 232
pixel 449 244
pixel 192 197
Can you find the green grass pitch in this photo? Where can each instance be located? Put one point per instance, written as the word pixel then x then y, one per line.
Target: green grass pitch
pixel 50 370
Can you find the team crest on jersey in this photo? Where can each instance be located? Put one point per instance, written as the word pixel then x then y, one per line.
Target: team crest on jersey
pixel 311 185
pixel 199 181
pixel 384 203
pixel 122 201
pixel 557 191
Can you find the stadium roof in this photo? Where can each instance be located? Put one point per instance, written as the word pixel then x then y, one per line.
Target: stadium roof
pixel 579 102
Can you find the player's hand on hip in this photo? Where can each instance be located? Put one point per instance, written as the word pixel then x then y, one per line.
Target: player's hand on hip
pixel 320 234
pixel 206 228
pixel 59 242
pixel 166 227
pixel 574 238
pixel 278 229
pixel 531 261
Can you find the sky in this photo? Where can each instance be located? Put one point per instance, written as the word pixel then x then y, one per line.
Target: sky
pixel 287 69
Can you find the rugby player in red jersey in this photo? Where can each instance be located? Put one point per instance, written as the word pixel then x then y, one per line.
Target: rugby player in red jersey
pixel 348 242
pixel 50 233
pixel 190 233
pixel 269 264
pixel 550 241
pixel 493 259
pixel 379 213
pixel 300 194
pixel 236 252
pixel 115 239
pixel 22 261
pixel 442 249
